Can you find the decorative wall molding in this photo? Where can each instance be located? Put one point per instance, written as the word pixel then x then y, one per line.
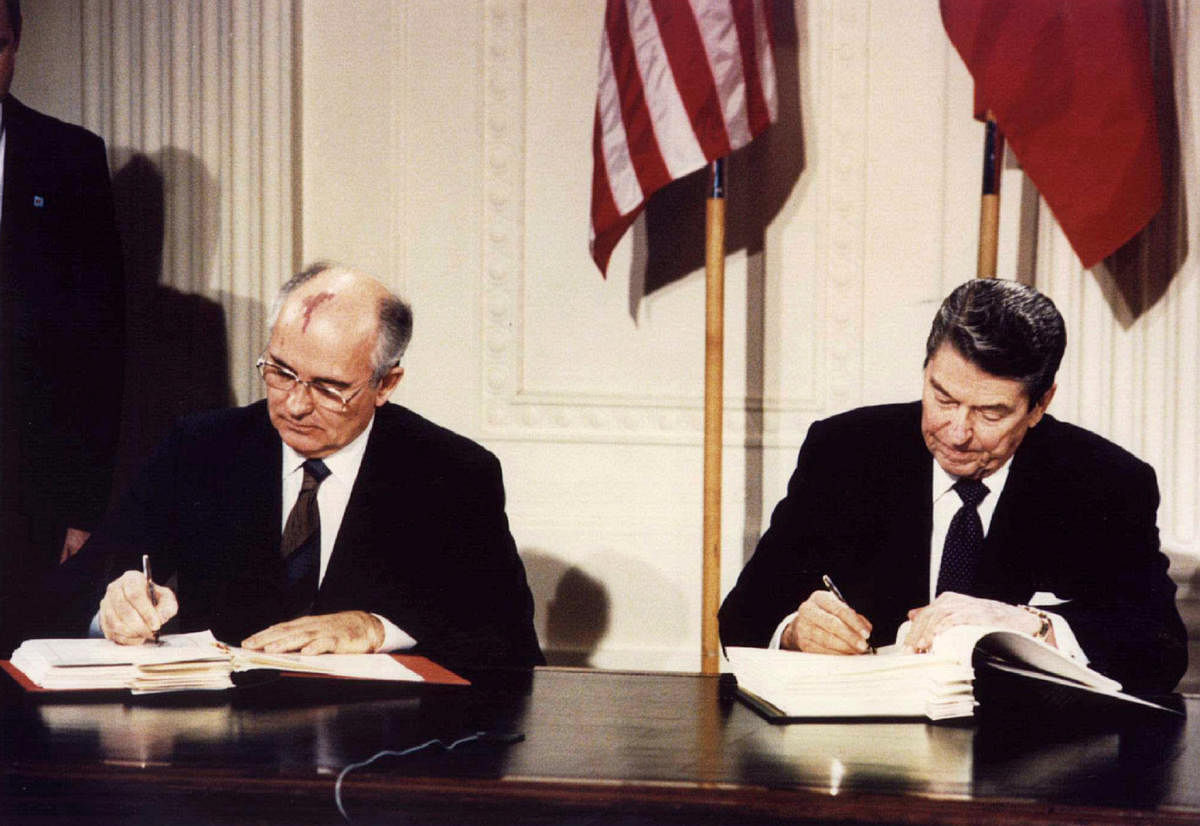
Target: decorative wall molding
pixel 515 408
pixel 843 93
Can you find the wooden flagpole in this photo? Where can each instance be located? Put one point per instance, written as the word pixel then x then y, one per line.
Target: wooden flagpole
pixel 989 207
pixel 714 354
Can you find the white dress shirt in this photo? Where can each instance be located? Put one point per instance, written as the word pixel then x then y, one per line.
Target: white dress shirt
pixel 946 503
pixel 332 497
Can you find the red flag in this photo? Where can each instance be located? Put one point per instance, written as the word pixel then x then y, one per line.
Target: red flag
pixel 681 84
pixel 1070 85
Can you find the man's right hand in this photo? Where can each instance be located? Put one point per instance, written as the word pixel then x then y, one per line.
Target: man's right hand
pixel 127 616
pixel 825 625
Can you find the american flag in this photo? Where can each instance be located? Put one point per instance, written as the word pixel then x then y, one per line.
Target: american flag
pixel 682 83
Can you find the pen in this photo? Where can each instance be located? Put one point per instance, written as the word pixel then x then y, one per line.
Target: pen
pixel 833 589
pixel 150 585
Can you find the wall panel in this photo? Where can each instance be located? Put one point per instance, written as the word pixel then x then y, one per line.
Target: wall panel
pixel 446 147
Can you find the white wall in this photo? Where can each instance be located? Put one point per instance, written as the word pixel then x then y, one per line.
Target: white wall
pixel 479 126
pixel 446 147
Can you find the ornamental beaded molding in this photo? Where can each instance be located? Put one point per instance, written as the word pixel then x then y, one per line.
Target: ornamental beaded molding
pixel 514 410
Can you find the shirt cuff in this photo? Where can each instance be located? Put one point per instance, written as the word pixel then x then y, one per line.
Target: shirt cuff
pixel 393 638
pixel 779 629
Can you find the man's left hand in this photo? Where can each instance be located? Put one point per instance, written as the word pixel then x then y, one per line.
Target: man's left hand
pixel 347 632
pixel 951 609
pixel 72 542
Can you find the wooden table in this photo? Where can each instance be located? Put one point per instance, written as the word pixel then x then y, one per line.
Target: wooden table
pixel 600 747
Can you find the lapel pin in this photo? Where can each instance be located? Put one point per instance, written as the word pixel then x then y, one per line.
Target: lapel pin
pixel 39 201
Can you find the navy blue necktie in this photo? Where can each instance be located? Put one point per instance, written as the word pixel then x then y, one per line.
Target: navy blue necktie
pixel 301 542
pixel 960 555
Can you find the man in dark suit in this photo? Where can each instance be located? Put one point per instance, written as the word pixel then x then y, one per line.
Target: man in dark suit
pixel 61 324
pixel 408 546
pixel 960 508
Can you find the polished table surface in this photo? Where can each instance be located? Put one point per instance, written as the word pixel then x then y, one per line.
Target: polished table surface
pixel 599 747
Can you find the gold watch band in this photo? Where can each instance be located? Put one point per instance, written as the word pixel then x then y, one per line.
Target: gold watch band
pixel 1044 629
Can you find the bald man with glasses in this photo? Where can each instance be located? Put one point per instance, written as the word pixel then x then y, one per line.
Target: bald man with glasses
pixel 322 519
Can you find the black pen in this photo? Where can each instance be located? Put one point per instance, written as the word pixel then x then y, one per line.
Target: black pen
pixel 833 589
pixel 150 586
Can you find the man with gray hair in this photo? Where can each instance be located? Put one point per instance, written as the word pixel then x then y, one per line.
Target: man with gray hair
pixel 322 519
pixel 962 507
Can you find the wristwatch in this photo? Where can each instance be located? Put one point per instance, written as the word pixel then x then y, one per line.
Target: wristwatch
pixel 1044 629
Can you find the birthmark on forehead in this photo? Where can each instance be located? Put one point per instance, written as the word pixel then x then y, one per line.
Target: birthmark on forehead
pixel 310 304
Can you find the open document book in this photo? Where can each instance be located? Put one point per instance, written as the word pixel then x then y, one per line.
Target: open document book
pixel 180 662
pixel 942 684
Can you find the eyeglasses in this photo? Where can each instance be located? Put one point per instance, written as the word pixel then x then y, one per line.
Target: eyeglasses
pixel 278 377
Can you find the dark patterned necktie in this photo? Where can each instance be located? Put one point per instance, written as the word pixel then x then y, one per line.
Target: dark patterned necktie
pixel 960 555
pixel 301 543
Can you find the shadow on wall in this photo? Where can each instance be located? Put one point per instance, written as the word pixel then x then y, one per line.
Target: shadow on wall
pixel 177 359
pixel 573 609
pixel 669 238
pixel 1188 602
pixel 668 242
pixel 1137 275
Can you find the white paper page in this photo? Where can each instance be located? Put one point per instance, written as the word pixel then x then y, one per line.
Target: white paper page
pixel 825 685
pixel 200 645
pixel 360 666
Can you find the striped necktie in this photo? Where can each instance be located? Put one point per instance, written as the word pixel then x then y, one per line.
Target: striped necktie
pixel 300 546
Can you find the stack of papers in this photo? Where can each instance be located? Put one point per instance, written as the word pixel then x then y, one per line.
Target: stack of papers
pixel 938 685
pixel 802 685
pixel 179 662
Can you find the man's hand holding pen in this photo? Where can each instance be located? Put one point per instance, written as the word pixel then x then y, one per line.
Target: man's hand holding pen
pixel 128 613
pixel 825 624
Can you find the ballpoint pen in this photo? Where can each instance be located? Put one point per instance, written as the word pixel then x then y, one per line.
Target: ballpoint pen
pixel 150 586
pixel 833 589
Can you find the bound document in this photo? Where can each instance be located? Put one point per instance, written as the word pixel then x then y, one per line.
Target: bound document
pixel 178 662
pixel 966 665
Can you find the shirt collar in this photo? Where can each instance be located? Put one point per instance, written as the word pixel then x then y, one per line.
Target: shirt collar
pixel 343 463
pixel 943 481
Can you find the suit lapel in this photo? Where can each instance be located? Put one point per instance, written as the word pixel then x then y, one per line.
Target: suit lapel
pixel 378 476
pixel 1004 571
pixel 244 509
pixel 913 516
pixel 12 171
pixel 897 504
pixel 268 466
pixel 260 487
pixel 26 203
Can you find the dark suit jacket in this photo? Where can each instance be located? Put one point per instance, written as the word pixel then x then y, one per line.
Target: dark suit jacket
pixel 424 540
pixel 1076 518
pixel 61 329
